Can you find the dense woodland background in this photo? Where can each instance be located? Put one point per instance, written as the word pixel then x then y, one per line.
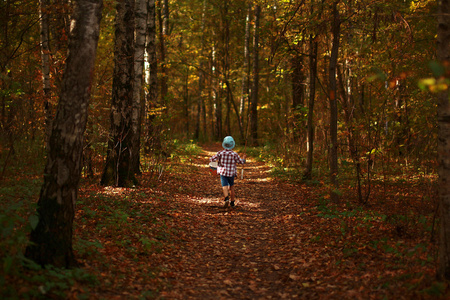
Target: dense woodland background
pixel 333 93
pixel 385 50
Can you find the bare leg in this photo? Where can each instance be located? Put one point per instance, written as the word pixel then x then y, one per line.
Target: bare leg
pixel 225 191
pixel 232 193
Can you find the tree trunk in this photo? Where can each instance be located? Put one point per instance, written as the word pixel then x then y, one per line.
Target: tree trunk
pixel 254 93
pixel 298 95
pixel 52 237
pixel 312 94
pixel 118 167
pixel 141 20
pixel 152 136
pixel 443 54
pixel 333 102
pixel 226 67
pixel 217 103
pixel 246 72
pixel 163 17
pixel 201 81
pixel 45 66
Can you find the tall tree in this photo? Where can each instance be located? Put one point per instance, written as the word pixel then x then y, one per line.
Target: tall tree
pixel 332 89
pixel 298 93
pixel 118 169
pixel 138 101
pixel 216 99
pixel 246 72
pixel 163 17
pixel 443 54
pixel 45 64
pixel 312 94
pixel 201 113
pixel 151 137
pixel 255 86
pixel 52 237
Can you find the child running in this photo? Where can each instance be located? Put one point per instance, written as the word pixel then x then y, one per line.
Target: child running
pixel 226 168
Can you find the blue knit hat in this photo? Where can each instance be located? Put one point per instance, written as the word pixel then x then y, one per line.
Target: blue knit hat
pixel 228 143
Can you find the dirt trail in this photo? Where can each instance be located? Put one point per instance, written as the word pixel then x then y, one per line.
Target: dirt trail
pixel 252 251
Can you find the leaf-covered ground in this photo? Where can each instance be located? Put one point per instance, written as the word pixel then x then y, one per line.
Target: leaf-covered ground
pixel 171 239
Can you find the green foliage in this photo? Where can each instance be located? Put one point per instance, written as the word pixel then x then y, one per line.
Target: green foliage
pixel 184 150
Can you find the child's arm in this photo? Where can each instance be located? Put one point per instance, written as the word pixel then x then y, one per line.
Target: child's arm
pixel 242 160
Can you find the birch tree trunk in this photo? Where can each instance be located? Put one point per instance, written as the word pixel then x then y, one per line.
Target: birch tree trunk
pixel 151 136
pixel 118 166
pixel 443 54
pixel 255 87
pixel 332 89
pixel 139 53
pixel 52 237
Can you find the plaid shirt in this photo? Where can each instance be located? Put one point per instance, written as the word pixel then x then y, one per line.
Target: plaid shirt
pixel 227 162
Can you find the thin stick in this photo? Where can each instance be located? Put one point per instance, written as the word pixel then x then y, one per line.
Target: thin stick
pixel 245 144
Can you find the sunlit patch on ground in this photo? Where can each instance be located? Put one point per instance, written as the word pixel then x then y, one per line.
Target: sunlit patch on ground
pixel 114 191
pixel 203 200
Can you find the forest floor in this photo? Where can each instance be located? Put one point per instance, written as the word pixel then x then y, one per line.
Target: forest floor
pixel 171 238
pixel 279 242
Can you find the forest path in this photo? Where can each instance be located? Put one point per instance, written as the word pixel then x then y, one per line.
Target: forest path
pixel 257 250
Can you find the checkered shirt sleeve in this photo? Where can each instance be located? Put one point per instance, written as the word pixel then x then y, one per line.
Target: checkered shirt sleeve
pixel 227 162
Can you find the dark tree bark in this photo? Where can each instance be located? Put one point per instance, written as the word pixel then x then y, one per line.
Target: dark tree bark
pixel 52 237
pixel 118 167
pixel 332 89
pixel 45 65
pixel 443 54
pixel 255 87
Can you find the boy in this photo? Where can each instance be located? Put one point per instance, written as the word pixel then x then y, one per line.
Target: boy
pixel 226 168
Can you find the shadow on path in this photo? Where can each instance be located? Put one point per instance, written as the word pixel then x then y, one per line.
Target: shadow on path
pixel 245 252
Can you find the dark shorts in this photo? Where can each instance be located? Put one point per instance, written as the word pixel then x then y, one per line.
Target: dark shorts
pixel 226 181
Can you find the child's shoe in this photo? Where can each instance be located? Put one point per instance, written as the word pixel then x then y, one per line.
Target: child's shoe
pixel 227 201
pixel 232 203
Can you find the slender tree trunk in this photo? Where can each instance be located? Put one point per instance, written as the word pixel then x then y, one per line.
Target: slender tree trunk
pixel 443 54
pixel 201 81
pixel 52 237
pixel 255 88
pixel 139 53
pixel 298 94
pixel 333 102
pixel 312 94
pixel 163 17
pixel 246 70
pixel 45 66
pixel 217 103
pixel 118 167
pixel 186 103
pixel 152 135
